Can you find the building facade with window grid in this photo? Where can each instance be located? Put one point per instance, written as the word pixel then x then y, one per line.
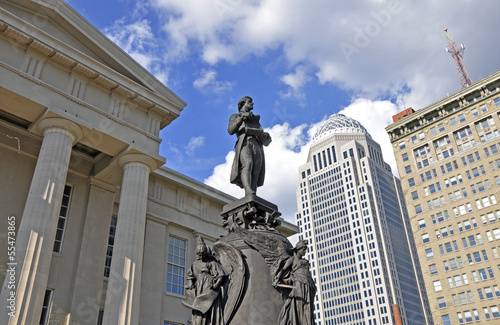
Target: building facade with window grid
pixel 448 160
pixel 351 210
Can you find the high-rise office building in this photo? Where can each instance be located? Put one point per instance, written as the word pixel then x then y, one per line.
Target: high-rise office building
pixel 352 212
pixel 448 159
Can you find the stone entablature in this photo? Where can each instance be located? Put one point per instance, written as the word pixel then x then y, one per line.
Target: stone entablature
pixel 81 71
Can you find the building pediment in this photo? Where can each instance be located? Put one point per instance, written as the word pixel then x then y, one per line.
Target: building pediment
pixel 55 31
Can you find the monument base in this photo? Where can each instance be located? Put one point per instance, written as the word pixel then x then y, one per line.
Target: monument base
pixel 260 303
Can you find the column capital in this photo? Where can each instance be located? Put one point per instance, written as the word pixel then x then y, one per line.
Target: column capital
pixel 73 129
pixel 137 158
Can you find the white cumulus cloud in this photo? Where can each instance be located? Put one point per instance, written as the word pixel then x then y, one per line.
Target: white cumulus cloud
pixel 378 49
pixel 208 82
pixel 193 144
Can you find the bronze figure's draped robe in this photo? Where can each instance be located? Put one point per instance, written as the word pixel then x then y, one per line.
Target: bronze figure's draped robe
pixel 299 305
pixel 208 302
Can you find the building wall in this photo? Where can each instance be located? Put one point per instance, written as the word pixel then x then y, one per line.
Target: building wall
pixel 63 80
pixel 448 159
pixel 185 209
pixel 350 212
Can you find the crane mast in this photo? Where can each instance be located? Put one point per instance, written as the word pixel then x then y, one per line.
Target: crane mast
pixel 457 55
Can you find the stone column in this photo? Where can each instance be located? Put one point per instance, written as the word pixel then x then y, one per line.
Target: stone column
pixel 37 229
pixel 123 293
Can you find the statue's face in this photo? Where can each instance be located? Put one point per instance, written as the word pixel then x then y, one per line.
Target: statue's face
pixel 248 106
pixel 302 252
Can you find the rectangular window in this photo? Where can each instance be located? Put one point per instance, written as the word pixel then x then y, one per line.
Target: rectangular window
pixel 480 294
pixel 486 312
pixel 476 314
pixel 441 142
pixel 488 293
pixel 437 285
pixel 46 307
pixel 176 265
pixel 483 124
pixel 433 268
pixel 494 311
pixel 441 302
pixel 63 218
pixel 111 243
pixel 463 133
pixel 411 182
pixel 468 316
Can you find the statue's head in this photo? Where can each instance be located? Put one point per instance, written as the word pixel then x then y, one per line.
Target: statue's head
pixel 242 102
pixel 301 245
pixel 201 247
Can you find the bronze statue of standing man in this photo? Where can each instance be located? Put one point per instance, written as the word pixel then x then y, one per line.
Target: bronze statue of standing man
pixel 248 169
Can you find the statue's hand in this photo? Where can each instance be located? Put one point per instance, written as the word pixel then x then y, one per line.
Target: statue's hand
pixel 265 138
pixel 244 115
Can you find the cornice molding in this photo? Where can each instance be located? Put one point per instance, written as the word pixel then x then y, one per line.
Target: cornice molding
pixel 439 106
pixel 80 102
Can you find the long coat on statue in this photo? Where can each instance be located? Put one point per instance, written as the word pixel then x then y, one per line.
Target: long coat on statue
pixel 242 141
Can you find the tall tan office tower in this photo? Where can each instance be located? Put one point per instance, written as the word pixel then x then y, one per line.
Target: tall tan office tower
pixel 448 160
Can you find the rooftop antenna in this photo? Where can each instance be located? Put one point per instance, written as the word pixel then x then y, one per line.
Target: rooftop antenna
pixel 457 56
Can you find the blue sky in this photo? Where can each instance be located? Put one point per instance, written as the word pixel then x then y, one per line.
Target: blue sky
pixel 301 61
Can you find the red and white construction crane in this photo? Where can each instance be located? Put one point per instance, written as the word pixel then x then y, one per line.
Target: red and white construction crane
pixel 457 55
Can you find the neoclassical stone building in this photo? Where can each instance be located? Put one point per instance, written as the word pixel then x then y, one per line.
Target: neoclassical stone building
pixel 92 229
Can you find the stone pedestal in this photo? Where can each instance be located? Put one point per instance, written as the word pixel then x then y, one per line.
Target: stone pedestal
pixel 250 212
pixel 260 303
pixel 251 221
